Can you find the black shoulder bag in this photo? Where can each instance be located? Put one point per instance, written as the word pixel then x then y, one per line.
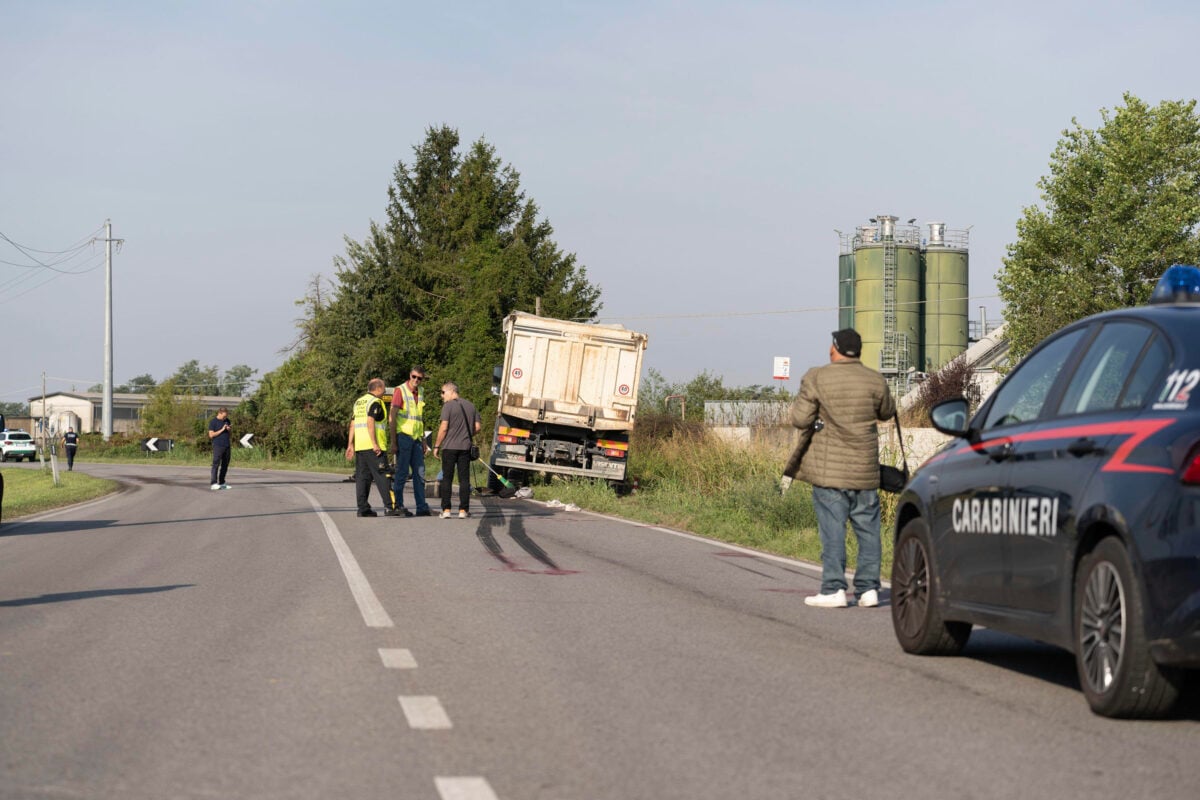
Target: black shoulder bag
pixel 892 479
pixel 471 433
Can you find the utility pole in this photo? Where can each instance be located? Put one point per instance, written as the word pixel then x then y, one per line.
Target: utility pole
pixel 45 431
pixel 106 425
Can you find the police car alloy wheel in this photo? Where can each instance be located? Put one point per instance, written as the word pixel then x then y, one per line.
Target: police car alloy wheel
pixel 916 619
pixel 1118 676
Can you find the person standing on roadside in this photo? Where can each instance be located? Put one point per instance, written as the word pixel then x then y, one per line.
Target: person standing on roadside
pixel 407 427
pixel 460 422
pixel 841 461
pixel 367 445
pixel 218 435
pixel 70 444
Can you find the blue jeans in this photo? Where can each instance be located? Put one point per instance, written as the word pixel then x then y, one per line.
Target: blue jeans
pixel 859 507
pixel 410 457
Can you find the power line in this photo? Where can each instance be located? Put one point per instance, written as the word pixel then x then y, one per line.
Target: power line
pixel 59 266
pixel 806 310
pixel 85 240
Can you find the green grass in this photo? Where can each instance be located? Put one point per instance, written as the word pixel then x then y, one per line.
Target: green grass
pixel 28 491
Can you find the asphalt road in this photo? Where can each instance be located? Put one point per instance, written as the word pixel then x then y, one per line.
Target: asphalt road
pixel 264 642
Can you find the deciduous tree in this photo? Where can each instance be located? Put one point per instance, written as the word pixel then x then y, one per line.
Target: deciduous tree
pixel 1121 204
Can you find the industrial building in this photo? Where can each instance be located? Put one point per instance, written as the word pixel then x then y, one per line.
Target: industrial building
pixel 906 294
pixel 83 410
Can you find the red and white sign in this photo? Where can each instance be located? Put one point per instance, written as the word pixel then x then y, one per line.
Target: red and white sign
pixel 517 373
pixel 623 388
pixel 783 368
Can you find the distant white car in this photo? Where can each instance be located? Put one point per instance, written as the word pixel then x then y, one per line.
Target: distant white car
pixel 17 445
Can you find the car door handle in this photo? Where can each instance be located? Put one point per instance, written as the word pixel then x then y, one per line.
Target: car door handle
pixel 1001 453
pixel 1083 447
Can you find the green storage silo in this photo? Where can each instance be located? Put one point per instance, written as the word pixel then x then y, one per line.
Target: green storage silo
pixel 946 293
pixel 888 318
pixel 846 290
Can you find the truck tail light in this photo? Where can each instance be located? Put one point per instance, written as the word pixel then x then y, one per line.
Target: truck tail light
pixel 513 433
pixel 613 449
pixel 506 439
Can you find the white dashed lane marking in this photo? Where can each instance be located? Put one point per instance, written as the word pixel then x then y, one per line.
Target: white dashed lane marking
pixel 425 713
pixel 397 658
pixel 464 789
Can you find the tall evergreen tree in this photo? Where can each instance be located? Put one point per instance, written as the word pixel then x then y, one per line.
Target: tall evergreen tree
pixel 459 249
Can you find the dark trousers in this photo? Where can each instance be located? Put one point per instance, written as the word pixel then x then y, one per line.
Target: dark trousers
pixel 460 460
pixel 70 456
pixel 220 464
pixel 368 469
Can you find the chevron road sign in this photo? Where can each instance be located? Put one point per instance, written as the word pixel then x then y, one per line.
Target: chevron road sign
pixel 245 440
pixel 156 445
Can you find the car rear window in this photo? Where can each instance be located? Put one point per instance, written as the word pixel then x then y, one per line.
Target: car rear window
pixel 18 437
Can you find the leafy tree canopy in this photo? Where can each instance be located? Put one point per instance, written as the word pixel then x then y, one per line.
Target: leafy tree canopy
pixel 459 249
pixel 1122 203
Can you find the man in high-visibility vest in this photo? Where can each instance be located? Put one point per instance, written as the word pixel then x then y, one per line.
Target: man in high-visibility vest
pixel 407 427
pixel 367 445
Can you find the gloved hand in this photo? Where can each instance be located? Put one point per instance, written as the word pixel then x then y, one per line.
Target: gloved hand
pixel 784 484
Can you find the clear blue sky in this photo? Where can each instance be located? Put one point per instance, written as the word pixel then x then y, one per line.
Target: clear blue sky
pixel 695 156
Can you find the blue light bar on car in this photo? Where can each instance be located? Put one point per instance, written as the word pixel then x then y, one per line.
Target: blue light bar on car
pixel 1179 284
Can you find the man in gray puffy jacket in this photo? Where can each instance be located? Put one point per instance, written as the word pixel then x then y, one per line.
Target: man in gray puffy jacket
pixel 837 410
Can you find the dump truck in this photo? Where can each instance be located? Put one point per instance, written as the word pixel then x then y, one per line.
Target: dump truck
pixel 567 398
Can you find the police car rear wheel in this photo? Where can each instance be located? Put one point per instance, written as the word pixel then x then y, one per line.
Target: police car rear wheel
pixel 916 619
pixel 1118 676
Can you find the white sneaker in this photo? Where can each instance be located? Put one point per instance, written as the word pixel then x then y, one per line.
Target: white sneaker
pixel 868 599
pixel 215 486
pixel 224 485
pixel 835 600
pixel 462 514
pixel 446 513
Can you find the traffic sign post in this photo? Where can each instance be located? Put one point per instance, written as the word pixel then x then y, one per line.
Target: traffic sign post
pixel 783 368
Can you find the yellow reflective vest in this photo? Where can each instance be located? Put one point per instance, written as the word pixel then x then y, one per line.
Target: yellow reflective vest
pixel 410 420
pixel 362 434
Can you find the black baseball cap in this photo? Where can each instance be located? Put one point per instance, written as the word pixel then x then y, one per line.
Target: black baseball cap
pixel 848 342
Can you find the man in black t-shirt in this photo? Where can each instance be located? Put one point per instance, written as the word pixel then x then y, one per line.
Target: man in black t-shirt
pixel 218 434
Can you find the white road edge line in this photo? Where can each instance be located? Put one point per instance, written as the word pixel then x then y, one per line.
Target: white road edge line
pixel 464 789
pixel 815 569
pixel 397 658
pixel 369 606
pixel 425 713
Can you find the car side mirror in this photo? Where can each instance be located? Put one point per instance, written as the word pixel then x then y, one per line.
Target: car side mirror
pixel 497 374
pixel 950 417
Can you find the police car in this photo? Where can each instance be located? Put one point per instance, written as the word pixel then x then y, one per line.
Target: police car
pixel 16 445
pixel 1067 509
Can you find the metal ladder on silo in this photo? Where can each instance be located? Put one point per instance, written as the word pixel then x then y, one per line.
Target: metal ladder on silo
pixel 887 356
